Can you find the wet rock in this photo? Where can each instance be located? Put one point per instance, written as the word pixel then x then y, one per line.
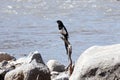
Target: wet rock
pixel 30 68
pixel 5 56
pixel 54 65
pixel 98 63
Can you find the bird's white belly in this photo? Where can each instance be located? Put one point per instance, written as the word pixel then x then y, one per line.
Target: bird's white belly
pixel 62 31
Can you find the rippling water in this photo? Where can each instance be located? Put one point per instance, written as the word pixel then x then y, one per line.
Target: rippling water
pixel 29 25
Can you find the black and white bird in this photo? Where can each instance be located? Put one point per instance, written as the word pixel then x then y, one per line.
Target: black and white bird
pixel 62 29
pixel 68 46
pixel 64 33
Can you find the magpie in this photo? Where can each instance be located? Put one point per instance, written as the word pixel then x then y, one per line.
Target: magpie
pixel 64 33
pixel 68 46
pixel 62 29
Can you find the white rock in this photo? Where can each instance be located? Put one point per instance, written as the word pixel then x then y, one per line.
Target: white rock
pixel 98 63
pixel 61 76
pixel 33 69
pixel 33 55
pixel 54 65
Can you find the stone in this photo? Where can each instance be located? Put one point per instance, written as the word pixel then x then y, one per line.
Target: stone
pixel 98 63
pixel 4 68
pixel 5 56
pixel 31 68
pixel 33 55
pixel 54 65
pixel 61 76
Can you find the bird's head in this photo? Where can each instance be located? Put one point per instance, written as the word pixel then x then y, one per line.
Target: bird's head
pixel 59 22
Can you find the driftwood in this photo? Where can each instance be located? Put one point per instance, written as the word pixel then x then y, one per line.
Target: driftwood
pixel 68 46
pixel 69 52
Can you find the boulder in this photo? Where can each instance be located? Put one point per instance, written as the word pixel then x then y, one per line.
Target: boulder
pixel 4 70
pixel 31 71
pixel 98 63
pixel 54 65
pixel 5 67
pixel 5 56
pixel 31 68
pixel 61 76
pixel 33 55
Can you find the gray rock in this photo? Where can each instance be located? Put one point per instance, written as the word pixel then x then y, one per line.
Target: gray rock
pixel 37 57
pixel 31 68
pixel 98 63
pixel 54 65
pixel 33 55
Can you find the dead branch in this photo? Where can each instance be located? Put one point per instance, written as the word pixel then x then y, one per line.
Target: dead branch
pixel 69 52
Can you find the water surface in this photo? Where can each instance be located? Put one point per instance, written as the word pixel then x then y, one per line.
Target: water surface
pixel 30 25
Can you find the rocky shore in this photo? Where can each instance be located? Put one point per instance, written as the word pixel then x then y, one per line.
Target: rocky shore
pixel 96 63
pixel 31 67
